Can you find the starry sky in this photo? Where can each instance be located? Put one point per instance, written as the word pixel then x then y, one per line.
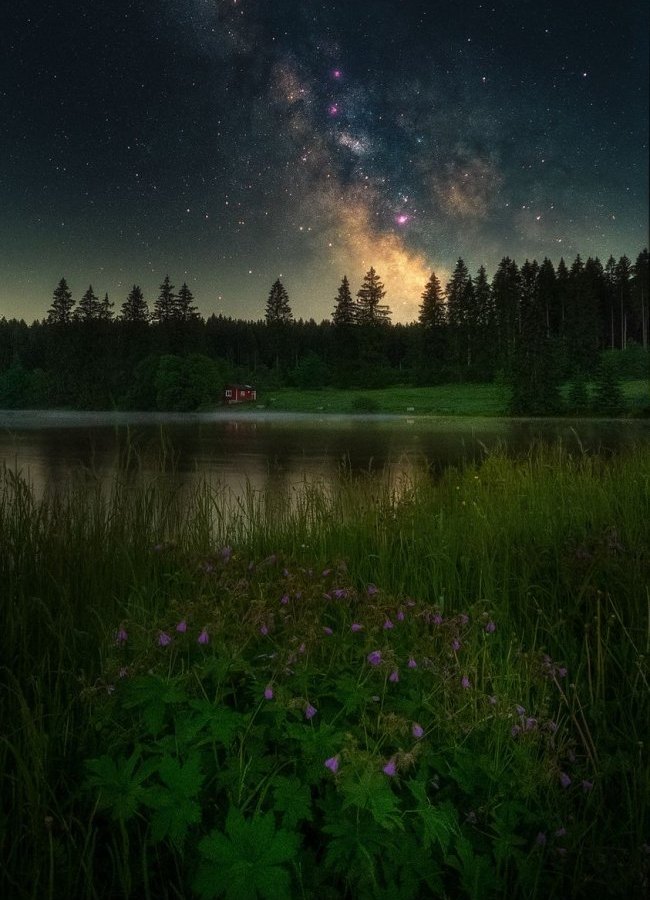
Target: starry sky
pixel 232 142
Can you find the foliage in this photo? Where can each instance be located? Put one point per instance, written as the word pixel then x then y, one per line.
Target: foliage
pixel 469 736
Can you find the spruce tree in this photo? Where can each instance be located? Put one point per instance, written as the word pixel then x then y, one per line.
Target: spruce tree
pixel 278 311
pixel 345 310
pixel 457 300
pixel 88 307
pixel 432 308
pixel 164 306
pixel 433 337
pixel 506 294
pixel 608 395
pixel 370 311
pixel 184 308
pixel 106 309
pixel 60 312
pixel 134 308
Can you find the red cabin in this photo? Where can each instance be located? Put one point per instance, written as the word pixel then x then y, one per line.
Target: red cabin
pixel 239 393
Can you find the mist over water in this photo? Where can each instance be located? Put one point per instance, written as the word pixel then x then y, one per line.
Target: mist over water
pixel 274 451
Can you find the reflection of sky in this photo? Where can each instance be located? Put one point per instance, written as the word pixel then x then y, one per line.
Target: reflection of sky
pixel 262 452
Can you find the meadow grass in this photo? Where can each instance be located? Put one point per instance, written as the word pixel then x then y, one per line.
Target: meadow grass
pixel 136 766
pixel 441 400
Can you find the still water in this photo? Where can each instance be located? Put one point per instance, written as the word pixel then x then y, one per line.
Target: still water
pixel 273 450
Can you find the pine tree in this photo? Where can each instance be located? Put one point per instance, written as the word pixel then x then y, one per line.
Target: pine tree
pixel 345 310
pixel 623 276
pixel 640 294
pixel 164 306
pixel 608 395
pixel 370 311
pixel 433 335
pixel 432 308
pixel 106 309
pixel 547 290
pixel 458 295
pixel 506 294
pixel 134 308
pixel 88 307
pixel 278 311
pixel 184 308
pixel 60 312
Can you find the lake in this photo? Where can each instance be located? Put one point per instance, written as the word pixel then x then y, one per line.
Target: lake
pixel 273 450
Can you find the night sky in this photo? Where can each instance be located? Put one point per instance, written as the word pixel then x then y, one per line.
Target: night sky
pixel 232 142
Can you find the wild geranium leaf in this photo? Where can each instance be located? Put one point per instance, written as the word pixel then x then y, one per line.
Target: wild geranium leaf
pixel 439 821
pixel 175 808
pixel 152 695
pixel 219 722
pixel 292 799
pixel 477 875
pixel 119 783
pixel 247 861
pixel 371 790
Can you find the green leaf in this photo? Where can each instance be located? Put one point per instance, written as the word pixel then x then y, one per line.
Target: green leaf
pixel 247 861
pixel 119 782
pixel 439 821
pixel 152 695
pixel 292 799
pixel 370 790
pixel 175 808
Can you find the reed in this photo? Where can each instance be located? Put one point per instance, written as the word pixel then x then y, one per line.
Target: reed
pixel 554 548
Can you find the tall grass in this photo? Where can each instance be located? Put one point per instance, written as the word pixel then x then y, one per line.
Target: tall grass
pixel 557 545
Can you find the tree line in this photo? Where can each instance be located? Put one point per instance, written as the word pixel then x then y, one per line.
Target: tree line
pixel 533 325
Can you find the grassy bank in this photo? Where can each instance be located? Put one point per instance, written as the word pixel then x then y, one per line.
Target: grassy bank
pixel 442 400
pixel 380 690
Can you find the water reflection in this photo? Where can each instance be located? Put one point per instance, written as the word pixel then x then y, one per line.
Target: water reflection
pixel 274 451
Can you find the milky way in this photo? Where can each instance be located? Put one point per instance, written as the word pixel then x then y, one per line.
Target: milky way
pixel 229 142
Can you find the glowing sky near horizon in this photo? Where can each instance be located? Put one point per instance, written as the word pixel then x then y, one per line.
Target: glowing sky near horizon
pixel 230 143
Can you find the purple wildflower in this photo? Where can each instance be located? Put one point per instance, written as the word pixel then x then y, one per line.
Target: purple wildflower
pixel 372 589
pixel 268 692
pixel 394 676
pixel 565 781
pixel 455 645
pixel 164 639
pixel 417 731
pixel 491 628
pixel 327 630
pixel 437 619
pixel 465 682
pixel 339 593
pixel 562 672
pixel 326 572
pixel 463 619
pixel 388 624
pixel 390 768
pixel 121 637
pixel 284 599
pixel 310 711
pixel 123 673
pixel 204 637
pixel 530 724
pixel 560 832
pixel 225 553
pixel 515 730
pixel 521 710
pixel 356 626
pixel 182 626
pixel 332 764
pixel 587 785
pixel 264 629
pixel 400 615
pixel 374 658
pixel 412 663
pixel 302 648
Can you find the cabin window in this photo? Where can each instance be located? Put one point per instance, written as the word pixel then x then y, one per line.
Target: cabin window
pixel 228 393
